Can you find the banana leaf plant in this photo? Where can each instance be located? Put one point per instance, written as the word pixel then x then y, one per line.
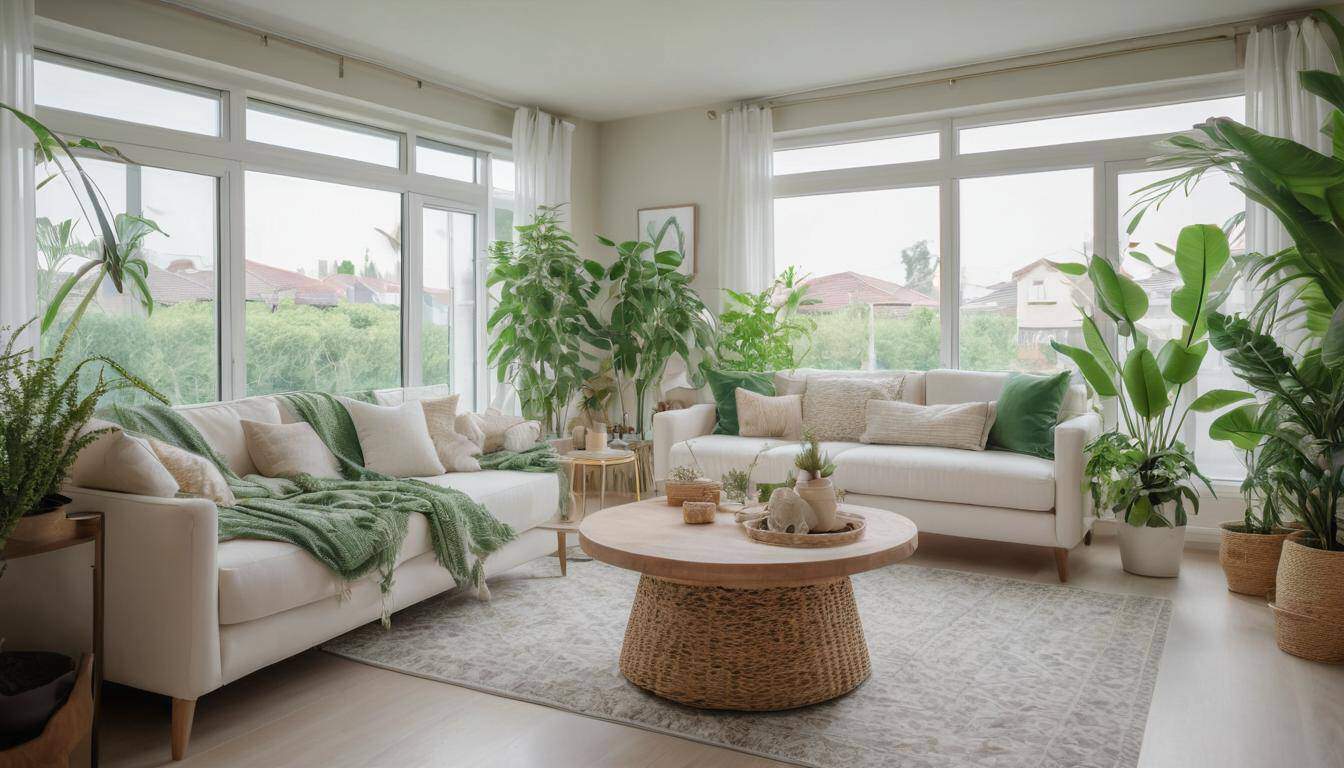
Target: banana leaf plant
pixel 1289 345
pixel 542 317
pixel 115 253
pixel 1145 474
pixel 655 314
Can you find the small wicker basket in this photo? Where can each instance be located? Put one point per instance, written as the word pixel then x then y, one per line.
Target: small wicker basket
pixel 696 490
pixel 698 512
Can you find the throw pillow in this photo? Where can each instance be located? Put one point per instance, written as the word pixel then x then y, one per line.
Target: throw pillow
pixel 394 438
pixel 456 452
pixel 520 437
pixel 765 416
pixel 1026 413
pixel 195 475
pixel 787 383
pixel 724 385
pixel 833 406
pixel 960 425
pixel 116 461
pixel 286 450
pixel 471 426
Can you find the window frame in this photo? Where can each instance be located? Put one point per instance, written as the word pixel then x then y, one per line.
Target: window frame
pixel 230 155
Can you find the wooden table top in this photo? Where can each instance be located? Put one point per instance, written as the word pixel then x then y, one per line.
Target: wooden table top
pixel 650 537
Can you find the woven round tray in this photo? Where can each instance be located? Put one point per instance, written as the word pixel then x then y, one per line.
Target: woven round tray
pixel 852 532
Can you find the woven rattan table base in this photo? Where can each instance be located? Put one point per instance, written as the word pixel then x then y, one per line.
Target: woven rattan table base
pixel 745 649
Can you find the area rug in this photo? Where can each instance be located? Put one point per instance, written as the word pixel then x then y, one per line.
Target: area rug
pixel 968 670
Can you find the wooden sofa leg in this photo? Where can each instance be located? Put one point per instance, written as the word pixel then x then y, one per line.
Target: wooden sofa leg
pixel 1062 564
pixel 184 710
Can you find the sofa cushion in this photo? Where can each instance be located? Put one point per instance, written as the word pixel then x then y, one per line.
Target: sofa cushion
pixel 717 454
pixel 221 426
pixel 394 438
pixel 261 578
pixel 986 478
pixel 117 461
pixel 833 407
pixel 795 382
pixel 945 386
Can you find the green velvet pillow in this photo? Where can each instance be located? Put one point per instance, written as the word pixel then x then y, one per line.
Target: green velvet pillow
pixel 724 385
pixel 1027 410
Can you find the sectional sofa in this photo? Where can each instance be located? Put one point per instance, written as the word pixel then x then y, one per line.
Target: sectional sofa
pixel 994 495
pixel 187 614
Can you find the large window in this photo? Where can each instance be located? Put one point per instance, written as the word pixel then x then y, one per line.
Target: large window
pixel 857 154
pixel 79 86
pixel 1013 302
pixel 174 348
pixel 1098 126
pixel 323 284
pixel 501 194
pixel 296 129
pixel 444 160
pixel 878 296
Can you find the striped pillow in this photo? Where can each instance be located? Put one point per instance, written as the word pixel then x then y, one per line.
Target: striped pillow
pixel 958 425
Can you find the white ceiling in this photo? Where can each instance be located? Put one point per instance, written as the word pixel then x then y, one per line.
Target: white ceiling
pixel 606 59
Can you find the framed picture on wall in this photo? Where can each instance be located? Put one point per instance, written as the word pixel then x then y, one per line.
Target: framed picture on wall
pixel 651 220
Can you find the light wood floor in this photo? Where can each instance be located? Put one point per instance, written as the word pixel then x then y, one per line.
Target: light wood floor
pixel 1226 696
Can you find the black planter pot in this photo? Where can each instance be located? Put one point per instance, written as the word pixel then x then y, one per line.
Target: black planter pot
pixel 33 685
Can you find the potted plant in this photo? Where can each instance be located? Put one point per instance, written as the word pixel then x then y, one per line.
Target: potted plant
pixel 654 313
pixel 542 317
pixel 814 483
pixel 1145 475
pixel 1301 290
pixel 1249 551
pixel 765 331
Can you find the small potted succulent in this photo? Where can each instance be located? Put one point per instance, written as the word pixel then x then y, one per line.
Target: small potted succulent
pixel 814 483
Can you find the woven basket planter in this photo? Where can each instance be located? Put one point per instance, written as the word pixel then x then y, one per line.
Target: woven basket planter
pixel 698 512
pixel 1250 560
pixel 698 490
pixel 1308 602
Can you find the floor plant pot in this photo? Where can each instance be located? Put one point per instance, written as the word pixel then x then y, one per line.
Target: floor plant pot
pixel 1308 602
pixel 43 528
pixel 1250 560
pixel 1151 551
pixel 33 685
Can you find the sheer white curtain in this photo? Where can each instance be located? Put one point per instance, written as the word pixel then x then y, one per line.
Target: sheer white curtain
pixel 18 281
pixel 747 241
pixel 1277 105
pixel 541 161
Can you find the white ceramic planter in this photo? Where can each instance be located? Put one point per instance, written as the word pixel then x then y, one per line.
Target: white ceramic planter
pixel 1151 551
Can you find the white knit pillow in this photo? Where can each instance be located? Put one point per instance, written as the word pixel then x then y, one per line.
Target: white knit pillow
pixel 116 461
pixel 764 416
pixel 286 450
pixel 456 452
pixel 195 475
pixel 833 406
pixel 395 439
pixel 957 425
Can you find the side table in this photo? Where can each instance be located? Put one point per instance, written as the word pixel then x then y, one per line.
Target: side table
pixel 603 460
pixel 561 528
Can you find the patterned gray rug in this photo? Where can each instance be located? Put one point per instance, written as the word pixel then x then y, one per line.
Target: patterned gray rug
pixel 968 670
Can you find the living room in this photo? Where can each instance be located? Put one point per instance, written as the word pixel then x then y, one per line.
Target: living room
pixel 591 383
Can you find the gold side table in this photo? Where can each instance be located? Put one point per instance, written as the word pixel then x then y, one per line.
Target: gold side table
pixel 603 460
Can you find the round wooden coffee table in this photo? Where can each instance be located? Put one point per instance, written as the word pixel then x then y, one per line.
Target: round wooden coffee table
pixel 723 622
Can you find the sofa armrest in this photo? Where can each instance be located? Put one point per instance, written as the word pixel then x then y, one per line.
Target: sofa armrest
pixel 1071 437
pixel 161 586
pixel 672 427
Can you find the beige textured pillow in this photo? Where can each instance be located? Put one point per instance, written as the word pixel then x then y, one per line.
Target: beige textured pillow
pixel 394 438
pixel 195 475
pixel 764 416
pixel 959 425
pixel 286 450
pixel 790 383
pixel 833 406
pixel 119 462
pixel 471 426
pixel 456 452
pixel 520 437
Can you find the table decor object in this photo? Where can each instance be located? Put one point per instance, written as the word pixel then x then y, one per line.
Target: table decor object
pixel 698 512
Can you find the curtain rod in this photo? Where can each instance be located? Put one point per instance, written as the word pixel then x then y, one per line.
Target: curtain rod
pixel 823 93
pixel 341 57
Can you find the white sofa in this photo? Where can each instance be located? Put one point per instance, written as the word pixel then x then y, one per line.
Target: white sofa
pixel 993 495
pixel 186 614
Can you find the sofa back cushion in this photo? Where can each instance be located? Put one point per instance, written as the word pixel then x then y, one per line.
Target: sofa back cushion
pixel 221 426
pixel 795 382
pixel 960 425
pixel 399 395
pixel 946 386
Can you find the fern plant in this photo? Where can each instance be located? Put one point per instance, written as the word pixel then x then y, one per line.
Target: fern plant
pixel 42 421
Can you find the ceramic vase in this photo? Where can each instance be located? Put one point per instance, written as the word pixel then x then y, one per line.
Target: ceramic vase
pixel 819 493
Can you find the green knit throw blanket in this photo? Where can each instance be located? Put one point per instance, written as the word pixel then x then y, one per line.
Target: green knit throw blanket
pixel 354 525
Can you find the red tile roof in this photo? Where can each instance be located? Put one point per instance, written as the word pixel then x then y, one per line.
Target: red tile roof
pixel 837 291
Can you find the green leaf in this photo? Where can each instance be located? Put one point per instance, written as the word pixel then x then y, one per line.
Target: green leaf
pixel 606 242
pixel 1201 252
pixel 1215 399
pixel 1138 513
pixel 1336 29
pixel 1122 299
pixel 1144 384
pixel 1097 345
pixel 594 269
pixel 1337 134
pixel 1239 426
pixel 1069 267
pixel 1090 368
pixel 1179 364
pixel 1332 348
pixel 1327 85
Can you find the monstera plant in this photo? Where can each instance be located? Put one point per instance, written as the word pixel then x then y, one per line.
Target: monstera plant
pixel 1143 473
